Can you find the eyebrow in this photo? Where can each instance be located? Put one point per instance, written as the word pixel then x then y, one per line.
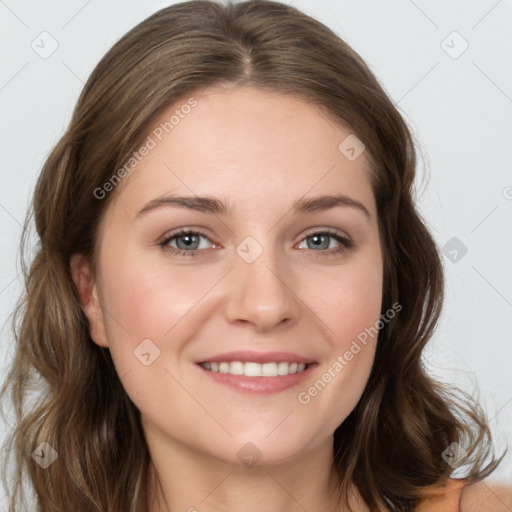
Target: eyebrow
pixel 215 206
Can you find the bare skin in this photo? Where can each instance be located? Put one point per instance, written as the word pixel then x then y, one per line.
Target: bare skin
pixel 257 152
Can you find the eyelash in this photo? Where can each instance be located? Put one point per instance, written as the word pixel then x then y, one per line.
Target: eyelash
pixel 345 243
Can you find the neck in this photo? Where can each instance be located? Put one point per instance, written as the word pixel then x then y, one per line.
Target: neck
pixel 181 479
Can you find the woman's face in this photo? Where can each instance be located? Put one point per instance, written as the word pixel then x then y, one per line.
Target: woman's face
pixel 280 263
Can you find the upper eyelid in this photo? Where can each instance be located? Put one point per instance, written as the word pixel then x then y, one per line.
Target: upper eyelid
pixel 330 231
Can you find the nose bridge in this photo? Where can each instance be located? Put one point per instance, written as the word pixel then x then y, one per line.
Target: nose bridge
pixel 260 293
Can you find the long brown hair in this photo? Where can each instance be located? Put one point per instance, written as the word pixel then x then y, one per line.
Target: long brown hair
pixel 391 445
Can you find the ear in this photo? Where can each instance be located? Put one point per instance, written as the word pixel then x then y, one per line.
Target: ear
pixel 85 282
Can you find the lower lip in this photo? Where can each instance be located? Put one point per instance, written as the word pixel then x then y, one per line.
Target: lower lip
pixel 262 385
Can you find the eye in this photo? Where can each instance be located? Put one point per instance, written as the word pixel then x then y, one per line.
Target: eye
pixel 321 240
pixel 188 242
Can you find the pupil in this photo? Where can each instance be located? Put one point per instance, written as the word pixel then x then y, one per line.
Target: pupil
pixel 188 240
pixel 318 238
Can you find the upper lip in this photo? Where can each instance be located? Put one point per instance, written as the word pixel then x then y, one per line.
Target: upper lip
pixel 257 357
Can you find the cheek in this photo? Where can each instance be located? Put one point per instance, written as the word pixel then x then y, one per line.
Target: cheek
pixel 349 305
pixel 158 303
pixel 150 300
pixel 149 317
pixel 348 301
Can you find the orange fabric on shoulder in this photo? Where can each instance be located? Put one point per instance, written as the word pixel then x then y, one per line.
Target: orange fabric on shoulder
pixel 442 499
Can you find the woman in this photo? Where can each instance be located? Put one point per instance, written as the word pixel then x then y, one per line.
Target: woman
pixel 234 289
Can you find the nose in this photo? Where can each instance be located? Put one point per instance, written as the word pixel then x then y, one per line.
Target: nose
pixel 261 293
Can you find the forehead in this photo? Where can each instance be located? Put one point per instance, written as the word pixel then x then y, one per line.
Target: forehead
pixel 253 146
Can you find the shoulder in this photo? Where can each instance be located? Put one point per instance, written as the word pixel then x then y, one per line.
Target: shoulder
pixel 486 496
pixel 441 498
pixel 461 496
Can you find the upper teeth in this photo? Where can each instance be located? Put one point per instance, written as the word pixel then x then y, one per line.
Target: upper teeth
pixel 251 369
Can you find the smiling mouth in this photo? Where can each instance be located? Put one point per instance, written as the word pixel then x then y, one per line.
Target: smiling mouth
pixel 253 369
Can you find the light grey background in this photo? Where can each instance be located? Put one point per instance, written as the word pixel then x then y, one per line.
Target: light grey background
pixel 457 103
